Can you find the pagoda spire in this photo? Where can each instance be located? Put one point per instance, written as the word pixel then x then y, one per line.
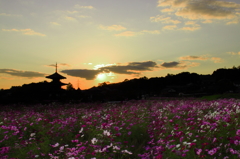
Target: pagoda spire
pixel 56 66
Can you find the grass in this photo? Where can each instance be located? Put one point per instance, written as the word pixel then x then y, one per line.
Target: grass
pixel 222 96
pixel 153 129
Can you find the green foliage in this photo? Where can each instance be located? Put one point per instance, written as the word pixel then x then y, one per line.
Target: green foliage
pixel 222 96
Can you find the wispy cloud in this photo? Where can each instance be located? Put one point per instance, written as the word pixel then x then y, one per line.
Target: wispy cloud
pixel 58 65
pixel 193 58
pixel 83 7
pixel 70 18
pixel 163 19
pixel 73 14
pixel 10 15
pixel 24 31
pixel 235 21
pixel 151 31
pixel 192 28
pixel 127 34
pixel 19 73
pixel 202 58
pixel 216 59
pixel 190 23
pixel 83 16
pixel 54 23
pixel 112 28
pixel 234 53
pixel 132 34
pixel 169 27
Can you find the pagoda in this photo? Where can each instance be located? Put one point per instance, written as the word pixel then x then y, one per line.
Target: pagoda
pixel 56 84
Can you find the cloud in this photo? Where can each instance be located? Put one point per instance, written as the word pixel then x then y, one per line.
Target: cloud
pixel 169 27
pixel 83 7
pixel 10 15
pixel 19 73
pixel 24 31
pixel 70 18
pixel 82 73
pixel 127 34
pixel 130 68
pixel 163 19
pixel 202 58
pixel 193 28
pixel 178 65
pixel 194 58
pixel 235 21
pixel 112 27
pixel 234 53
pixel 217 59
pixel 190 23
pixel 207 21
pixel 70 15
pixel 151 31
pixel 131 34
pixel 54 23
pixel 205 10
pixel 170 64
pixel 83 16
pixel 167 10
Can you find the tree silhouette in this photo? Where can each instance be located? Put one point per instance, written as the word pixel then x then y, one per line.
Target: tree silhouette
pixel 70 87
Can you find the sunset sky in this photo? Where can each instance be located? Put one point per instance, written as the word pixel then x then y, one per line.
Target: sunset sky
pixel 111 40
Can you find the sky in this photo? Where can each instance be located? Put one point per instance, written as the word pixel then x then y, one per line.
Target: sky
pixel 96 41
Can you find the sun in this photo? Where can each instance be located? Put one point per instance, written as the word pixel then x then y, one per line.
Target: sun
pixel 101 77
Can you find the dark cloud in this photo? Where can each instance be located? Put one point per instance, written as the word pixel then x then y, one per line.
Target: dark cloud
pixel 206 10
pixel 83 73
pixel 131 67
pixel 202 9
pixel 178 65
pixel 170 64
pixel 19 73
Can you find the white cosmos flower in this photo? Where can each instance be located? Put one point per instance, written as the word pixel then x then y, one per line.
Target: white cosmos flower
pixel 107 133
pixel 32 134
pixel 94 140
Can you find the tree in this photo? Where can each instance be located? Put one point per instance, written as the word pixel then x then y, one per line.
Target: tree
pixel 103 84
pixel 70 87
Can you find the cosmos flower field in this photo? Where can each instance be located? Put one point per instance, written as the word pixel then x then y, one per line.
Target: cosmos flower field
pixel 144 129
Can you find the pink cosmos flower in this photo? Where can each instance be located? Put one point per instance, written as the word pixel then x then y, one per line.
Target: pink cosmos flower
pixel 238 132
pixel 56 145
pixel 199 151
pixel 212 152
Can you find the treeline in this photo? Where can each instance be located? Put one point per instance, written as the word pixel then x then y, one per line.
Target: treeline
pixel 183 84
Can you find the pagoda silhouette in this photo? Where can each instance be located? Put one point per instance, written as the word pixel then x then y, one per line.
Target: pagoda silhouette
pixel 56 84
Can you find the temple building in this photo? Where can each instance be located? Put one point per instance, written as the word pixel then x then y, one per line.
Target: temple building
pixel 56 84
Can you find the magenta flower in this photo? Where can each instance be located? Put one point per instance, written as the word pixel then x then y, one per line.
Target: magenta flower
pixel 198 152
pixel 212 152
pixel 238 132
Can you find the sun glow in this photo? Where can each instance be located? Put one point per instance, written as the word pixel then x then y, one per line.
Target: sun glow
pixel 101 77
pixel 102 65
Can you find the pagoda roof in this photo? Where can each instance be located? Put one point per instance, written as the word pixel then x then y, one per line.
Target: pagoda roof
pixel 56 76
pixel 59 83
